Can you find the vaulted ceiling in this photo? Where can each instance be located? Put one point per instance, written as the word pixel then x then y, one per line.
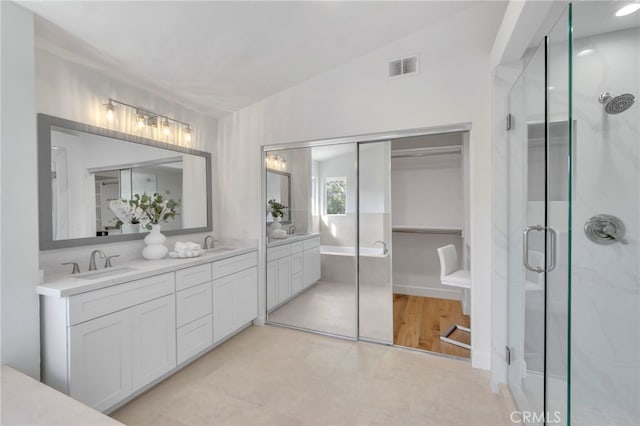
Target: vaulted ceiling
pixel 219 57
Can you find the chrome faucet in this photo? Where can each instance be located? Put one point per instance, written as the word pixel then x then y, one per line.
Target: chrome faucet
pixel 386 250
pixel 292 229
pixel 92 260
pixel 207 238
pixel 107 261
pixel 76 268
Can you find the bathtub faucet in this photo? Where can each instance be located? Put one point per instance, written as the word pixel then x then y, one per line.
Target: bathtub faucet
pixel 386 250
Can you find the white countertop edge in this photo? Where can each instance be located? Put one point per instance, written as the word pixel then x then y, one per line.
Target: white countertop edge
pixel 292 239
pixel 65 286
pixel 26 401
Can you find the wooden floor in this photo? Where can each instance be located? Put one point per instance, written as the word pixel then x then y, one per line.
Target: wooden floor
pixel 418 323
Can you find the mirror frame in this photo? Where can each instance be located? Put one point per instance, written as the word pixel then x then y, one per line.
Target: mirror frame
pixel 288 175
pixel 45 196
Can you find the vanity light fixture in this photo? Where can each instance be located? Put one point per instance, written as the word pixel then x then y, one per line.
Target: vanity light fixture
pixel 275 162
pixel 145 117
pixel 628 9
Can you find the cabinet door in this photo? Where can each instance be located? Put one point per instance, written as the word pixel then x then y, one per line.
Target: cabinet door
pixel 272 284
pixel 246 296
pixel 317 273
pixel 284 279
pixel 223 296
pixel 100 360
pixel 297 272
pixel 153 326
pixel 308 268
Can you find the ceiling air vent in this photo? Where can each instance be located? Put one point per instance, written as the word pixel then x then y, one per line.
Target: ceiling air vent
pixel 403 66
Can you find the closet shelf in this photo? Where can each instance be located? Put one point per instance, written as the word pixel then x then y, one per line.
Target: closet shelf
pixel 425 230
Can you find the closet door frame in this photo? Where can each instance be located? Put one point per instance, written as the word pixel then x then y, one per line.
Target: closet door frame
pixel 358 139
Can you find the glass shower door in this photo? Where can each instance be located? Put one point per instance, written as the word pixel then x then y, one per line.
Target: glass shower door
pixel 527 236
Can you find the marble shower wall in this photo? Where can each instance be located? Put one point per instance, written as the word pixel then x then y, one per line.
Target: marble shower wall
pixel 605 301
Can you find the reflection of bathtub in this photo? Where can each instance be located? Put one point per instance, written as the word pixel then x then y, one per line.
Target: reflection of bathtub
pixel 351 251
pixel 339 264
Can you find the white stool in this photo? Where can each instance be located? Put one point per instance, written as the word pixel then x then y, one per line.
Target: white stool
pixel 452 276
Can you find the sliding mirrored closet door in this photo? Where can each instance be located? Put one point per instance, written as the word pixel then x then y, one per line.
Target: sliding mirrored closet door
pixel 374 248
pixel 311 256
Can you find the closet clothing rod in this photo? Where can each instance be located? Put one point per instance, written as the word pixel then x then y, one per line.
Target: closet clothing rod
pixel 440 231
pixel 426 152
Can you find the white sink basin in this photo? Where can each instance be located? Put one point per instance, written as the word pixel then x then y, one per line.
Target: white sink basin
pixel 103 273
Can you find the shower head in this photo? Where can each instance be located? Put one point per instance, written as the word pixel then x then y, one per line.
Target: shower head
pixel 616 104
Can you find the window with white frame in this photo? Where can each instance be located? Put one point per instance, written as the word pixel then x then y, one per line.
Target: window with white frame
pixel 335 196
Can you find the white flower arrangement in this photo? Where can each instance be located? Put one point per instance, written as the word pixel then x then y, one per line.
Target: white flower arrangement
pixel 127 211
pixel 144 210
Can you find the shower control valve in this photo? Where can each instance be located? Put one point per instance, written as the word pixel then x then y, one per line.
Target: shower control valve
pixel 605 229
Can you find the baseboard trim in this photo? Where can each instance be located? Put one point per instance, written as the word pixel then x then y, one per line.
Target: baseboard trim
pixel 481 360
pixel 427 292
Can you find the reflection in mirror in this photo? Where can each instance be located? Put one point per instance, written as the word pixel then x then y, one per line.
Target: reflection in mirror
pixel 312 273
pixel 91 167
pixel 279 189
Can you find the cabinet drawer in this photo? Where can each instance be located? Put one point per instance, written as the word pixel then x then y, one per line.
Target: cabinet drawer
pixel 234 264
pixel 189 277
pixel 194 338
pixel 311 243
pixel 278 252
pixel 297 247
pixel 97 303
pixel 193 303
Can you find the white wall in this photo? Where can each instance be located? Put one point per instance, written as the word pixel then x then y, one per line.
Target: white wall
pixel 426 192
pixel 20 345
pixel 68 88
pixel 38 81
pixel 356 98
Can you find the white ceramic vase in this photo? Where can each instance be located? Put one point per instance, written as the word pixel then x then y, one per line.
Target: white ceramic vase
pixel 275 225
pixel 155 248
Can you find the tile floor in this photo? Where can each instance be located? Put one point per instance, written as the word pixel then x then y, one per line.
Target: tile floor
pixel 328 306
pixel 276 376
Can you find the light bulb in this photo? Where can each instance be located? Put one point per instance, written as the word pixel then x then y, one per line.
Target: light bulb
pixel 266 160
pixel 284 163
pixel 110 108
pixel 628 9
pixel 187 134
pixel 140 121
pixel 166 129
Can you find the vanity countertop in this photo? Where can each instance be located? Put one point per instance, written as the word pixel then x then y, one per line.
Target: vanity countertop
pixel 275 242
pixel 26 401
pixel 69 285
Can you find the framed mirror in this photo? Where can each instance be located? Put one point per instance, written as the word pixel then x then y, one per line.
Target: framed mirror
pixel 83 168
pixel 279 189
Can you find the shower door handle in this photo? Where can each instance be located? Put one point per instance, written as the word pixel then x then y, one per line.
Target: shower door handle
pixel 551 263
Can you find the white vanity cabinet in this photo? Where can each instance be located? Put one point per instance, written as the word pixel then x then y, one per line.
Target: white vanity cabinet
pixel 292 267
pixel 235 294
pixel 113 355
pixel 312 271
pixel 104 345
